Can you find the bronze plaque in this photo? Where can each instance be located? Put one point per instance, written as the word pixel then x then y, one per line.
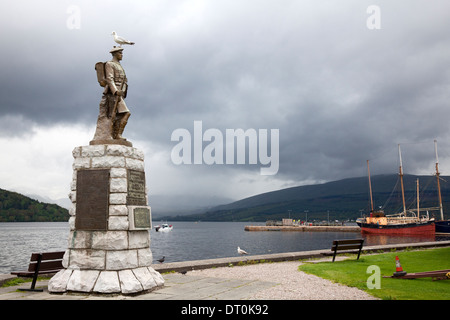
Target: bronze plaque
pixel 142 218
pixel 92 200
pixel 136 188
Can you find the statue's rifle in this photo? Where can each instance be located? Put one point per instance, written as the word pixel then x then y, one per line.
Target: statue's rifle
pixel 113 114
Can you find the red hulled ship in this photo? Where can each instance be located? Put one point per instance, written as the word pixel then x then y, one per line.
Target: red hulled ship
pixel 406 222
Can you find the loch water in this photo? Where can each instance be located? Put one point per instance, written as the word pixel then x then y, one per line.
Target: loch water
pixel 187 241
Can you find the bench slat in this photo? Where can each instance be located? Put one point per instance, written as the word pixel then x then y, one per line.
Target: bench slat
pixel 346 247
pixel 52 255
pixel 350 241
pixel 46 265
pixel 47 255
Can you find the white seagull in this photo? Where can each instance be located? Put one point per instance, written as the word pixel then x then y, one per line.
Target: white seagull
pixel 241 252
pixel 120 40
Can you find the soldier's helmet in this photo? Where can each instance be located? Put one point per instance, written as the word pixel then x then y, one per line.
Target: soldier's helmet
pixel 115 49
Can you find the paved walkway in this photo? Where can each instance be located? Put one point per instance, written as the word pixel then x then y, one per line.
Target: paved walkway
pixel 177 287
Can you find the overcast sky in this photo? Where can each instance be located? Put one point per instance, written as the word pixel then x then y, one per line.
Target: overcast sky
pixel 341 83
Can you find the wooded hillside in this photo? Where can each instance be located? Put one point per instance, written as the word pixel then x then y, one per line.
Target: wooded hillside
pixel 15 207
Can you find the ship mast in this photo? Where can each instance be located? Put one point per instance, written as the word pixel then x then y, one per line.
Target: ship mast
pixel 418 210
pixel 438 183
pixel 370 188
pixel 401 179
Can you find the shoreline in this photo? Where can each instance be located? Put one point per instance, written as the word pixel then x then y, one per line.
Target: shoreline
pixel 304 228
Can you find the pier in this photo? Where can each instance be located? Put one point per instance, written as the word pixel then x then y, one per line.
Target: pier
pixel 303 228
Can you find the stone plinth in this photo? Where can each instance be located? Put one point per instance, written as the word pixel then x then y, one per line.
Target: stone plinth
pixel 109 240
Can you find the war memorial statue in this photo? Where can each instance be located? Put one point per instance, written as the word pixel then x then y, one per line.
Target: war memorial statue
pixel 114 113
pixel 110 218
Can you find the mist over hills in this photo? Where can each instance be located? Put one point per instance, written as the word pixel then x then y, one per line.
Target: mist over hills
pixel 172 205
pixel 343 199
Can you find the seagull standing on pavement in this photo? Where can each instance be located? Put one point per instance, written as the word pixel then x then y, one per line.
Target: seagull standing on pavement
pixel 120 40
pixel 240 251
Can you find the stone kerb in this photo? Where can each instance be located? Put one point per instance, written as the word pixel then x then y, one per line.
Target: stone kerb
pixel 115 260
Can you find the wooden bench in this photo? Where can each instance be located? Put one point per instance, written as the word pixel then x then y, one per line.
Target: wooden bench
pixel 40 264
pixel 341 245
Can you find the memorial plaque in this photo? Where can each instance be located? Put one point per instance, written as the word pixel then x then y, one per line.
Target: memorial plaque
pixel 92 200
pixel 136 188
pixel 142 218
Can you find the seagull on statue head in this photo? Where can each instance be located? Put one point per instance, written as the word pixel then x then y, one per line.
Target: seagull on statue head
pixel 120 40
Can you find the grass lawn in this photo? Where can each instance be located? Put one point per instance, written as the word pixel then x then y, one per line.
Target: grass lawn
pixel 17 281
pixel 354 273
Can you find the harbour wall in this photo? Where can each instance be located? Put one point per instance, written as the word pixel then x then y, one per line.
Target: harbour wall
pixel 305 228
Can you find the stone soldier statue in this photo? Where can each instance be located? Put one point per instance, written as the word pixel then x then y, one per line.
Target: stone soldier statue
pixel 113 114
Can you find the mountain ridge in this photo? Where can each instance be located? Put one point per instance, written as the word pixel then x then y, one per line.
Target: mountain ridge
pixel 342 199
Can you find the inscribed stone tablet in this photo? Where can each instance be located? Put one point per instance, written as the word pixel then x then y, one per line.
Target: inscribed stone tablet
pixel 142 218
pixel 136 188
pixel 92 200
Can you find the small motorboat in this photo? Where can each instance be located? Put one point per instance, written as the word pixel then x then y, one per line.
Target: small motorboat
pixel 164 227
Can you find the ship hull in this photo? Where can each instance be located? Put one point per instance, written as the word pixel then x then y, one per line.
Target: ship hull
pixel 443 226
pixel 426 228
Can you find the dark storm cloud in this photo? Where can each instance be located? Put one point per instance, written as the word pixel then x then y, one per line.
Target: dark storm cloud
pixel 338 92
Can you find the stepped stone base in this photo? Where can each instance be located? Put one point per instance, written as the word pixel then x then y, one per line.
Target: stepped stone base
pixel 127 281
pixel 109 241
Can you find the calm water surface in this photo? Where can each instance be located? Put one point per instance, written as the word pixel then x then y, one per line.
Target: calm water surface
pixel 187 241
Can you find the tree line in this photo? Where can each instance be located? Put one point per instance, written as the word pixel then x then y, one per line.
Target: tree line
pixel 15 207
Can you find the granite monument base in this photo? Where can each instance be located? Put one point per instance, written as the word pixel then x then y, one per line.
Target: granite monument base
pixel 109 242
pixel 123 142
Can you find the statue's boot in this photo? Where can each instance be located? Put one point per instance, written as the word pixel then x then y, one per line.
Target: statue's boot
pixel 119 126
